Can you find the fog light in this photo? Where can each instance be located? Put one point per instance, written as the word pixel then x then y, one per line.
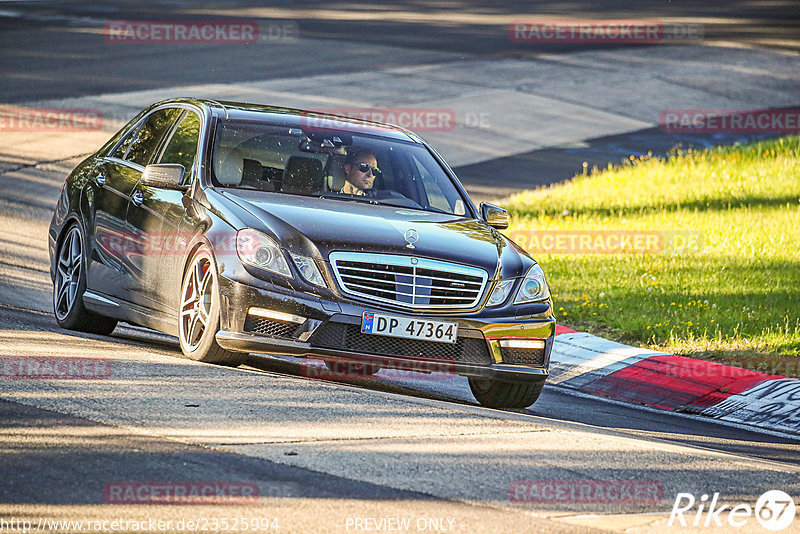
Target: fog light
pixel 522 343
pixel 276 315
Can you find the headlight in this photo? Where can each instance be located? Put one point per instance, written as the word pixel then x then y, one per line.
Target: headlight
pixel 533 287
pixel 500 292
pixel 308 268
pixel 259 250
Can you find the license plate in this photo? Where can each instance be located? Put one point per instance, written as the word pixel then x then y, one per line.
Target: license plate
pixel 405 327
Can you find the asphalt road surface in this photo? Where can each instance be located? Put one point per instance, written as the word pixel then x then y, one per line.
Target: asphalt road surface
pixel 323 453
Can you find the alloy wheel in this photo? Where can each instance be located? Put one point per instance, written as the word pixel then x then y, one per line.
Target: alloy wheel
pixel 68 273
pixel 197 297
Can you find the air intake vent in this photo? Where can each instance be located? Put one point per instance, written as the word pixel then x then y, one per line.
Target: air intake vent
pixel 268 327
pixel 340 336
pixel 526 356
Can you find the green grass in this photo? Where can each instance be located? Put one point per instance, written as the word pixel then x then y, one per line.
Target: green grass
pixel 733 296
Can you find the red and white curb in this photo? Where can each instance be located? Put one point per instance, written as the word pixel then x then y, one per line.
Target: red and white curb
pixel 597 366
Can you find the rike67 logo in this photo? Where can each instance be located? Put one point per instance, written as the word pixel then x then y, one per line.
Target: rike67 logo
pixel 774 510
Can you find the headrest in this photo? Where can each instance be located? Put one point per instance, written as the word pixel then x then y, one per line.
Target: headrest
pixel 334 173
pixel 252 176
pixel 229 166
pixel 251 171
pixel 302 176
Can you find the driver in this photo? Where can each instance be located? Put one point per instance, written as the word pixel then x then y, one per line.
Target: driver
pixel 360 169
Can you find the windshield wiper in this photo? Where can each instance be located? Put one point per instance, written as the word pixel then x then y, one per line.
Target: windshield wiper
pixel 405 204
pixel 356 198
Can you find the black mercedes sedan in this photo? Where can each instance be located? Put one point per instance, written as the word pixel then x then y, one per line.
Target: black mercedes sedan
pixel 245 228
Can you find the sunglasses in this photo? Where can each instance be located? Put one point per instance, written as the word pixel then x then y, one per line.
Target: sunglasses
pixel 366 167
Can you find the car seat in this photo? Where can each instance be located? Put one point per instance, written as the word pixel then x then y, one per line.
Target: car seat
pixel 253 176
pixel 229 166
pixel 302 176
pixel 334 173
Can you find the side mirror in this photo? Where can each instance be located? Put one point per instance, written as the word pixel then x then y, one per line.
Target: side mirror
pixel 165 176
pixel 495 216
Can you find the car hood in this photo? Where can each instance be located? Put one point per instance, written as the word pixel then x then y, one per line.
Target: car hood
pixel 336 225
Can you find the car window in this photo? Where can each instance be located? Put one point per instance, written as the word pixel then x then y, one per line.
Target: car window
pixel 182 145
pixel 148 136
pixel 122 147
pixel 332 164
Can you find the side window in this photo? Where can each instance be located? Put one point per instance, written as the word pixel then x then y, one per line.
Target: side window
pixel 123 146
pixel 182 146
pixel 149 135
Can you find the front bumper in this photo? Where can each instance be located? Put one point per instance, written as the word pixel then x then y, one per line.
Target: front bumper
pixel 307 325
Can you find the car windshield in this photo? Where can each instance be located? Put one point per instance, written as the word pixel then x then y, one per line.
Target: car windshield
pixel 331 164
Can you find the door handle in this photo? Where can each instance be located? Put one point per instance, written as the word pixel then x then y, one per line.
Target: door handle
pixel 101 180
pixel 137 197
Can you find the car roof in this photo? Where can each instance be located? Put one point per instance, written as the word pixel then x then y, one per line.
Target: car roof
pixel 297 118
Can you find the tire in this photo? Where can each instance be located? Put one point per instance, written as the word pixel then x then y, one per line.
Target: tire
pixel 69 286
pixel 352 368
pixel 198 316
pixel 494 394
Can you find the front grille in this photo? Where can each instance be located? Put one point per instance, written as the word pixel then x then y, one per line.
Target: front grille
pixel 523 356
pixel 407 281
pixel 269 327
pixel 349 337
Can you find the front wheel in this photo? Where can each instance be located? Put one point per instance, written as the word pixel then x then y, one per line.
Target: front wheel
pixel 494 394
pixel 199 313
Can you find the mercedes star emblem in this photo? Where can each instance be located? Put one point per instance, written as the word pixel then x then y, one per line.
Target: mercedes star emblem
pixel 412 237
